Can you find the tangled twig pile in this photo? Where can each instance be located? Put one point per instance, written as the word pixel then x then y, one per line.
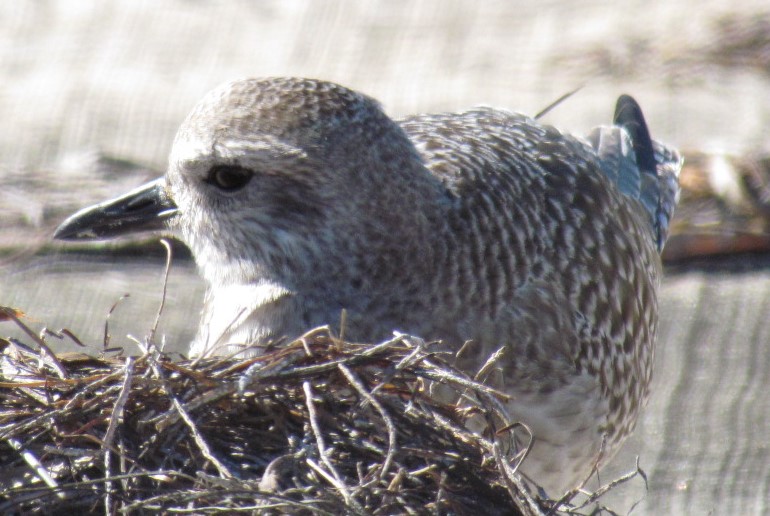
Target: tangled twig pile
pixel 313 426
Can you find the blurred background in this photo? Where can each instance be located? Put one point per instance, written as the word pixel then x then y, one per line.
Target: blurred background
pixel 92 93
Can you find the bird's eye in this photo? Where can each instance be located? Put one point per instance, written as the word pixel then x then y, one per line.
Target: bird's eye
pixel 229 178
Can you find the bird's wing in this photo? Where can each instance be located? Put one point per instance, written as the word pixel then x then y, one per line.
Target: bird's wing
pixel 640 167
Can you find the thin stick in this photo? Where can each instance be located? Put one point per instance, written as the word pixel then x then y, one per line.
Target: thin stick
pixel 513 484
pixel 359 386
pixel 569 495
pixel 109 435
pixel 197 437
pixel 438 374
pixel 489 364
pixel 169 256
pixel 117 411
pixel 202 445
pixel 343 324
pixel 11 314
pixel 37 467
pixel 621 480
pixel 337 481
pixel 313 416
pixel 106 341
pixel 209 349
pixel 556 102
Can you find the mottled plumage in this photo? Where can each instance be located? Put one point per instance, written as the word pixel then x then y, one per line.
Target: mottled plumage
pixel 300 198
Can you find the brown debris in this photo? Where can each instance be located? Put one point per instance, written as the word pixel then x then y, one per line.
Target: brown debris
pixel 315 426
pixel 724 207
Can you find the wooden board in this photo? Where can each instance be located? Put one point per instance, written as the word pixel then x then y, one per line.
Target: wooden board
pixel 118 78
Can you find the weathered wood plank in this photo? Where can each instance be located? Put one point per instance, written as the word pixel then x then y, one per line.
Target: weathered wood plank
pixel 119 77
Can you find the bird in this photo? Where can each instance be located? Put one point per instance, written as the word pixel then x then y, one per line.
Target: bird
pixel 301 198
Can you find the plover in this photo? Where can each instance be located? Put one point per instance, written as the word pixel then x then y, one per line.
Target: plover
pixel 300 198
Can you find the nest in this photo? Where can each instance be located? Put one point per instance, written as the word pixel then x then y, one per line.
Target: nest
pixel 315 426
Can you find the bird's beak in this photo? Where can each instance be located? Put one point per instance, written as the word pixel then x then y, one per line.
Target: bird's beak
pixel 145 209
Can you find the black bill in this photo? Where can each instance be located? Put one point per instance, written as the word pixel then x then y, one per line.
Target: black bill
pixel 144 209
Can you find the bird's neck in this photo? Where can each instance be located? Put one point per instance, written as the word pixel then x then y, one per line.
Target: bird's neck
pixel 237 315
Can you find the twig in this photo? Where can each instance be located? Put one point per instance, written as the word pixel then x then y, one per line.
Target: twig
pixel 513 483
pixel 197 437
pixel 329 477
pixel 313 416
pixel 642 474
pixel 489 364
pixel 569 495
pixel 261 370
pixel 412 359
pixel 593 497
pixel 556 102
pixel 208 350
pixel 460 433
pixel 107 336
pixel 321 445
pixel 67 332
pixel 169 256
pixel 383 346
pixel 343 324
pixel 117 411
pixel 437 374
pixel 50 355
pixel 359 386
pixel 89 388
pixel 527 448
pixel 109 435
pixel 100 481
pixel 202 445
pixel 36 466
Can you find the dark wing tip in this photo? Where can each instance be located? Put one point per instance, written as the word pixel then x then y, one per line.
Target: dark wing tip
pixel 629 115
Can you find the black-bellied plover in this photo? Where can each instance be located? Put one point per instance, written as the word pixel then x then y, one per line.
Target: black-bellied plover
pixel 300 198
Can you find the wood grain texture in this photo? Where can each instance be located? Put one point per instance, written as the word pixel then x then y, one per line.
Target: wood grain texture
pixel 703 439
pixel 119 77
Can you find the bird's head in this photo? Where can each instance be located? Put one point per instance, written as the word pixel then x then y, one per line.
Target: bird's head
pixel 265 176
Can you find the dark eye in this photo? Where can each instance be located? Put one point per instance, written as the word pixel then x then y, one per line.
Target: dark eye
pixel 229 177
